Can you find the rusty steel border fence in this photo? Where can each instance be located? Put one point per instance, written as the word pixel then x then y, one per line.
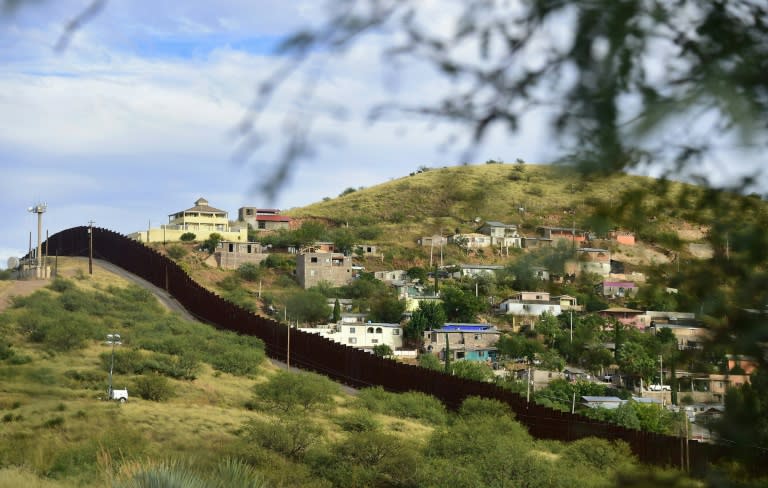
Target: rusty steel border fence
pixel 360 369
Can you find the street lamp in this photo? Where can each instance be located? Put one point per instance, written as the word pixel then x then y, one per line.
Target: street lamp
pixel 113 339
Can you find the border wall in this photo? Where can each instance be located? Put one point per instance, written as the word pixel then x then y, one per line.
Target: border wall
pixel 360 369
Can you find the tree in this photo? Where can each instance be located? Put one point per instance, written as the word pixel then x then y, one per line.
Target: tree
pixel 336 311
pixel 249 272
pixel 210 244
pixel 461 306
pixel 548 327
pixel 382 350
pixel 429 316
pixel 307 306
pixel 430 361
pixel 287 391
pixel 635 360
pixel 387 308
pixel 473 370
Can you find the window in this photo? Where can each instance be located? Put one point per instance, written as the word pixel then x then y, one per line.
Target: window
pixel 313 259
pixel 231 247
pixel 374 341
pixel 395 331
pixel 370 330
pixel 378 330
pixel 351 330
pixel 353 340
pixel 262 224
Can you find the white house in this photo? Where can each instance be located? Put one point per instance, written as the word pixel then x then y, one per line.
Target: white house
pixel 531 303
pixel 362 336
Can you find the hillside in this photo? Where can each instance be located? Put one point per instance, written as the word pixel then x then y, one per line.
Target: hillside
pixel 443 200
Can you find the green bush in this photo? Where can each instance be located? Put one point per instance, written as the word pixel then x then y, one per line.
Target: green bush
pixel 187 237
pixel 287 391
pixel 153 387
pixel 290 436
pixel 61 285
pixel 412 404
pixel 176 252
pixel 357 421
pixel 249 272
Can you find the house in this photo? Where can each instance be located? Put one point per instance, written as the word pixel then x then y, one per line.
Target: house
pixel 391 276
pixel 471 241
pixel 362 336
pixel 479 269
pixel 568 233
pixel 626 316
pixel 231 255
pixel 590 260
pixel 530 303
pixel 366 250
pixel 535 242
pixel 315 267
pixel 689 333
pixel 503 236
pixel 568 302
pixel 619 289
pixel 432 241
pixel 622 237
pixel 609 402
pixel 201 220
pixel 263 219
pixel 472 342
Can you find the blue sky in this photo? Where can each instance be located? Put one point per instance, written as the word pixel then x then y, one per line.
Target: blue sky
pixel 134 120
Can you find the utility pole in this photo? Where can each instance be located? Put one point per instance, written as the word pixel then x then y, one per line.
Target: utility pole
pixel 90 246
pixel 661 380
pixel 571 326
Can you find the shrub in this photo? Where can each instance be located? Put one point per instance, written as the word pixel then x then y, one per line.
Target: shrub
pixel 357 421
pixel 187 237
pixel 61 285
pixel 287 391
pixel 249 272
pixel 413 404
pixel 176 252
pixel 289 436
pixel 153 387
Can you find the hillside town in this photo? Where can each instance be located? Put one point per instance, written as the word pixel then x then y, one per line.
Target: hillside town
pixel 583 320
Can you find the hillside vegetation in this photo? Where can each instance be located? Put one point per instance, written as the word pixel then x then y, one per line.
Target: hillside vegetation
pixel 434 201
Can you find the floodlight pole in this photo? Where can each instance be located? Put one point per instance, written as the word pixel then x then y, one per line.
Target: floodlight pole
pixel 112 339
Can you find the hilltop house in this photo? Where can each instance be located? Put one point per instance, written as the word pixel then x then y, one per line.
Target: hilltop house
pixel 503 236
pixel 471 241
pixel 201 220
pixel 472 342
pixel 315 267
pixel 263 219
pixel 531 303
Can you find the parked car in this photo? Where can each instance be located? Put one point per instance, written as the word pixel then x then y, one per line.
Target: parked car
pixel 660 388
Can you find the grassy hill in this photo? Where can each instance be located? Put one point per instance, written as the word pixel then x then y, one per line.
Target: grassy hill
pixel 444 199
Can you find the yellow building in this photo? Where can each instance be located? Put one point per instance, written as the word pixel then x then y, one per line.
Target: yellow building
pixel 201 220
